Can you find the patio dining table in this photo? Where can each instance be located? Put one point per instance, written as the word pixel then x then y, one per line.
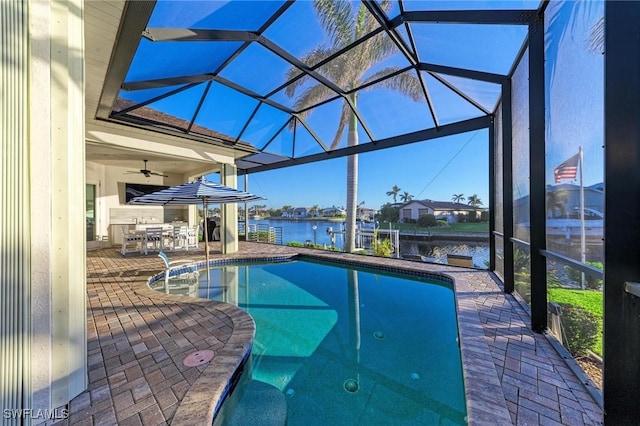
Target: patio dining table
pixel 166 242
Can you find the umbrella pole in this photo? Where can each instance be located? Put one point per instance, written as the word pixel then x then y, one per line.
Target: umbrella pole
pixel 206 232
pixel 206 242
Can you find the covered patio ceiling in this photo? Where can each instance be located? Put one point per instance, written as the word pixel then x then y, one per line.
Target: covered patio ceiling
pixel 282 82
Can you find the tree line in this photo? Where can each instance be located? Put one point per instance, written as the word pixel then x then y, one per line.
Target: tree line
pixel 405 197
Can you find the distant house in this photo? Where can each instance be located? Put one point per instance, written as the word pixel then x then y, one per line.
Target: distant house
pixel 563 202
pixel 333 212
pixel 366 214
pixel 442 210
pixel 296 213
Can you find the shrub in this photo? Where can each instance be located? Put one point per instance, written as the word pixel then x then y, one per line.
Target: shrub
pixel 315 246
pixel 382 248
pixel 427 219
pixel 484 216
pixel 580 328
pixel 590 282
pixel 462 217
pixel 473 216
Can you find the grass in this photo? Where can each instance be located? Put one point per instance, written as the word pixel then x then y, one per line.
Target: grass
pixel 453 228
pixel 590 300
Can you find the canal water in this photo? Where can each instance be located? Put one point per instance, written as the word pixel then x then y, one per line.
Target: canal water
pixel 302 231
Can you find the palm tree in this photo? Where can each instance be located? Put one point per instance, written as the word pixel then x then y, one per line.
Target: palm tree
pixel 258 209
pixel 474 201
pixel 346 22
pixel 406 197
pixel 394 193
pixel 557 200
pixel 457 198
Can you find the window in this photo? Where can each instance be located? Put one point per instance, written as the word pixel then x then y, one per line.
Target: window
pixel 90 212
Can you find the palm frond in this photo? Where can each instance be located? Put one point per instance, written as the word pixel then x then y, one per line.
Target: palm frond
pixel 312 96
pixel 335 18
pixel 345 116
pixel 343 71
pixel 316 55
pixel 379 48
pixel 363 21
pixel 565 19
pixel 348 69
pixel 596 36
pixel 370 23
pixel 406 83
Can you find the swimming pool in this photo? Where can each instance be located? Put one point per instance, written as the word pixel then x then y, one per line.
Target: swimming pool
pixel 344 345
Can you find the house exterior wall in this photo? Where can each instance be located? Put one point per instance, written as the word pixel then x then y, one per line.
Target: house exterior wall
pixel 448 215
pixel 333 211
pixel 413 211
pixel 42 180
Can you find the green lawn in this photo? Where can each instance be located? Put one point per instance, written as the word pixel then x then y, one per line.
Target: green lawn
pixel 455 227
pixel 590 300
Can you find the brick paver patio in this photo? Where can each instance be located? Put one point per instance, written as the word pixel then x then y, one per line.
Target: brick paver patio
pixel 138 339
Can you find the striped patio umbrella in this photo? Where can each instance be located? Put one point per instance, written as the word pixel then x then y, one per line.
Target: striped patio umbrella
pixel 196 192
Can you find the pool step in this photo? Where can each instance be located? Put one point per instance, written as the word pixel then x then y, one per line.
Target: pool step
pixel 260 404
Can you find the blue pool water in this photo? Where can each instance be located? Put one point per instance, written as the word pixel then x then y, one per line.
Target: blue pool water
pixel 345 346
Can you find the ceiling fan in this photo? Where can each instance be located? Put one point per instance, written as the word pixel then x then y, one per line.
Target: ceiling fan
pixel 146 172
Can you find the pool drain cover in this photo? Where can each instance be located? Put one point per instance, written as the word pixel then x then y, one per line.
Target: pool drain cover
pixel 198 358
pixel 351 385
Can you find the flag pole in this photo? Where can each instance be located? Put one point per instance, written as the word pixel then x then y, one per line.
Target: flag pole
pixel 582 227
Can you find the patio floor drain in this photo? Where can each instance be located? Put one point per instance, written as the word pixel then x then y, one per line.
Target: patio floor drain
pixel 198 358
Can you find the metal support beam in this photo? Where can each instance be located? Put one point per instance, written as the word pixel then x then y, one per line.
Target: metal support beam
pixel 492 195
pixel 621 248
pixel 460 93
pixel 136 14
pixel 193 34
pixel 165 82
pixel 514 17
pixel 381 17
pixel 462 72
pixel 507 187
pixel 419 136
pixel 537 192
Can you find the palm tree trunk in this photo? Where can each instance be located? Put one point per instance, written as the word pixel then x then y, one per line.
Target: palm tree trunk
pixel 352 196
pixel 352 187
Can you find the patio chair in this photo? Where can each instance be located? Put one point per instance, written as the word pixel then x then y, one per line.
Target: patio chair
pixel 179 237
pixel 192 237
pixel 182 271
pixel 153 239
pixel 129 239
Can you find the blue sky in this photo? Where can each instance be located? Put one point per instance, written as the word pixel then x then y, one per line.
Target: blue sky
pixel 433 169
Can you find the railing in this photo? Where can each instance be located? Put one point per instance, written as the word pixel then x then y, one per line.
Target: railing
pixel 366 238
pixel 262 233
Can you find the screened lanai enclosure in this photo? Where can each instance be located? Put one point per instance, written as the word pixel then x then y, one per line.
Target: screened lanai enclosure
pixel 285 83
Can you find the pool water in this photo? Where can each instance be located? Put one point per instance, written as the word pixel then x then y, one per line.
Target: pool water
pixel 343 345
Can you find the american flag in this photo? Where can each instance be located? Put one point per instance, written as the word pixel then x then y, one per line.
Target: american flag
pixel 568 169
